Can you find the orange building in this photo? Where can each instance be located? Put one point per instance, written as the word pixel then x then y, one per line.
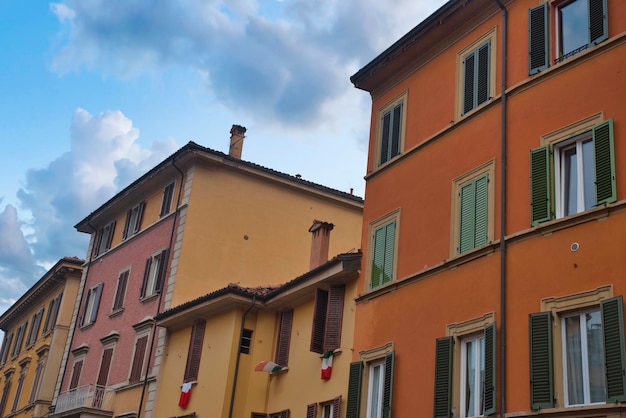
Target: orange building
pixel 495 201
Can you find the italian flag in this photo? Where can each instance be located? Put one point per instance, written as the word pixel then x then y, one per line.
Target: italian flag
pixel 327 365
pixel 268 367
pixel 185 393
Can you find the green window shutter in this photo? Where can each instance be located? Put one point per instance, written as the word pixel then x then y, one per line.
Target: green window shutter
pixel 489 395
pixel 443 377
pixel 388 385
pixel 598 21
pixel 540 185
pixel 467 217
pixel 541 381
pixel 379 257
pixel 538 39
pixel 482 73
pixel 615 360
pixel 390 235
pixel 481 212
pixel 605 162
pixel 468 81
pixel 353 405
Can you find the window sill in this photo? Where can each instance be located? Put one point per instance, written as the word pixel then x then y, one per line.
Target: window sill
pixel 116 312
pixel 149 298
pixel 586 411
pixel 87 325
pixel 279 372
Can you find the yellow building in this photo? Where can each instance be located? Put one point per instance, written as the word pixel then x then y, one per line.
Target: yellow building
pixel 197 221
pixel 35 333
pixel 258 351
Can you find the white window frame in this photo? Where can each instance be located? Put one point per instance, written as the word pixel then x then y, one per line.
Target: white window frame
pixel 327 410
pixel 168 198
pixel 584 356
pixel 402 100
pixel 557 25
pixel 371 395
pixel 152 279
pixel 559 172
pixel 479 360
pixel 90 305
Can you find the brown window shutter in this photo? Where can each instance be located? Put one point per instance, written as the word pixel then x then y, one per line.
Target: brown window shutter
pixel 332 339
pixel 140 353
pixel 145 277
pixel 195 351
pixel 284 337
pixel 96 302
pixel 258 415
pixel 319 321
pixel 161 273
pixel 311 411
pixel 337 406
pixel 284 414
pixel 78 366
pixel 105 365
pixel 121 290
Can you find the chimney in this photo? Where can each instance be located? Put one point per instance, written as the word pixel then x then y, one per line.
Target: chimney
pixel 319 242
pixel 237 134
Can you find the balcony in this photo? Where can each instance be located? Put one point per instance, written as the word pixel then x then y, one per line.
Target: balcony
pixel 86 400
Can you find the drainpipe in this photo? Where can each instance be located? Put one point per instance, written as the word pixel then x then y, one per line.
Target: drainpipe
pixel 243 320
pixel 503 217
pixel 169 253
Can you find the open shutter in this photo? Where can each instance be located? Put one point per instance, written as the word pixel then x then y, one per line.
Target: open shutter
pixel 388 385
pixel 489 395
pixel 121 291
pixel 615 360
pixel 96 302
pixel 395 132
pixel 379 257
pixel 541 381
pixel 385 138
pixel 319 321
pixel 111 228
pixel 598 21
pixel 258 415
pixel 468 81
pixel 55 311
pixel 195 351
pixel 311 411
pixel 605 163
pixel 78 366
pixel 161 273
pixel 443 377
pixel 390 233
pixel 334 316
pixel 539 185
pixel 538 38
pixel 284 413
pixel 146 274
pixel 482 68
pixel 137 225
pixel 284 338
pixel 127 226
pixel 353 405
pixel 140 353
pixel 105 366
pixel 336 407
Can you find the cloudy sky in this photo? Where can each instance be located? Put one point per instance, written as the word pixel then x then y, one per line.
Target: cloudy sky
pixel 93 93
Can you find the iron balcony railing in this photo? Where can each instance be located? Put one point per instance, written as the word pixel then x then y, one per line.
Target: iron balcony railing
pixel 90 396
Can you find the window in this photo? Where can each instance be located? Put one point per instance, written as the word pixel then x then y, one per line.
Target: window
pixel 327 319
pixel 476 78
pixel 103 376
pixel 284 338
pixel 384 241
pixel 133 220
pixel 246 341
pixel 19 338
pixel 195 351
pixel 6 347
pixel 38 371
pixel 391 129
pixel 154 274
pixel 584 174
pixel 166 204
pixel 18 391
pixel 104 239
pixel 329 409
pixel 34 328
pixel 588 350
pixel 53 312
pixel 5 393
pixel 579 24
pixel 90 308
pixel 379 377
pixel 139 355
pixel 120 291
pixel 466 357
pixel 281 414
pixel 76 371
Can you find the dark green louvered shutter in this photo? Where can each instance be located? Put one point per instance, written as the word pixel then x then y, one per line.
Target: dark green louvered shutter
pixel 482 211
pixel 468 81
pixel 379 257
pixel 598 22
pixel 388 385
pixel 385 137
pixel 443 377
pixel 353 405
pixel 390 235
pixel 476 77
pixel 613 338
pixel 489 394
pixel 605 163
pixel 539 185
pixel 395 130
pixel 473 222
pixel 482 74
pixel 538 38
pixel 541 382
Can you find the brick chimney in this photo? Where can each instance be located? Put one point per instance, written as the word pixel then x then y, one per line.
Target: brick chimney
pixel 319 242
pixel 237 134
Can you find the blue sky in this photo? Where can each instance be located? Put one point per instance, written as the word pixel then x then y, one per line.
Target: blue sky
pixel 93 93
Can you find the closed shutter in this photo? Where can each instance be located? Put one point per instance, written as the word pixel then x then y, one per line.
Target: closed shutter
pixel 258 415
pixel 353 406
pixel 395 130
pixel 96 302
pixel 146 276
pixel 121 291
pixel 35 388
pixel 332 338
pixel 482 76
pixel 540 185
pixel 467 217
pixel 541 381
pixel 160 279
pixel 336 407
pixel 319 321
pixel 284 413
pixel 6 347
pixel 195 351
pixel 18 392
pixel 390 233
pixel 127 225
pixel 468 81
pixel 598 21
pixel 443 377
pixel 5 395
pixel 140 353
pixel 46 324
pixel 481 222
pixel 284 338
pixel 55 311
pixel 604 162
pixel 388 385
pixel 385 138
pixel 489 395
pixel 105 366
pixel 615 360
pixel 78 366
pixel 109 241
pixel 538 39
pixel 311 411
